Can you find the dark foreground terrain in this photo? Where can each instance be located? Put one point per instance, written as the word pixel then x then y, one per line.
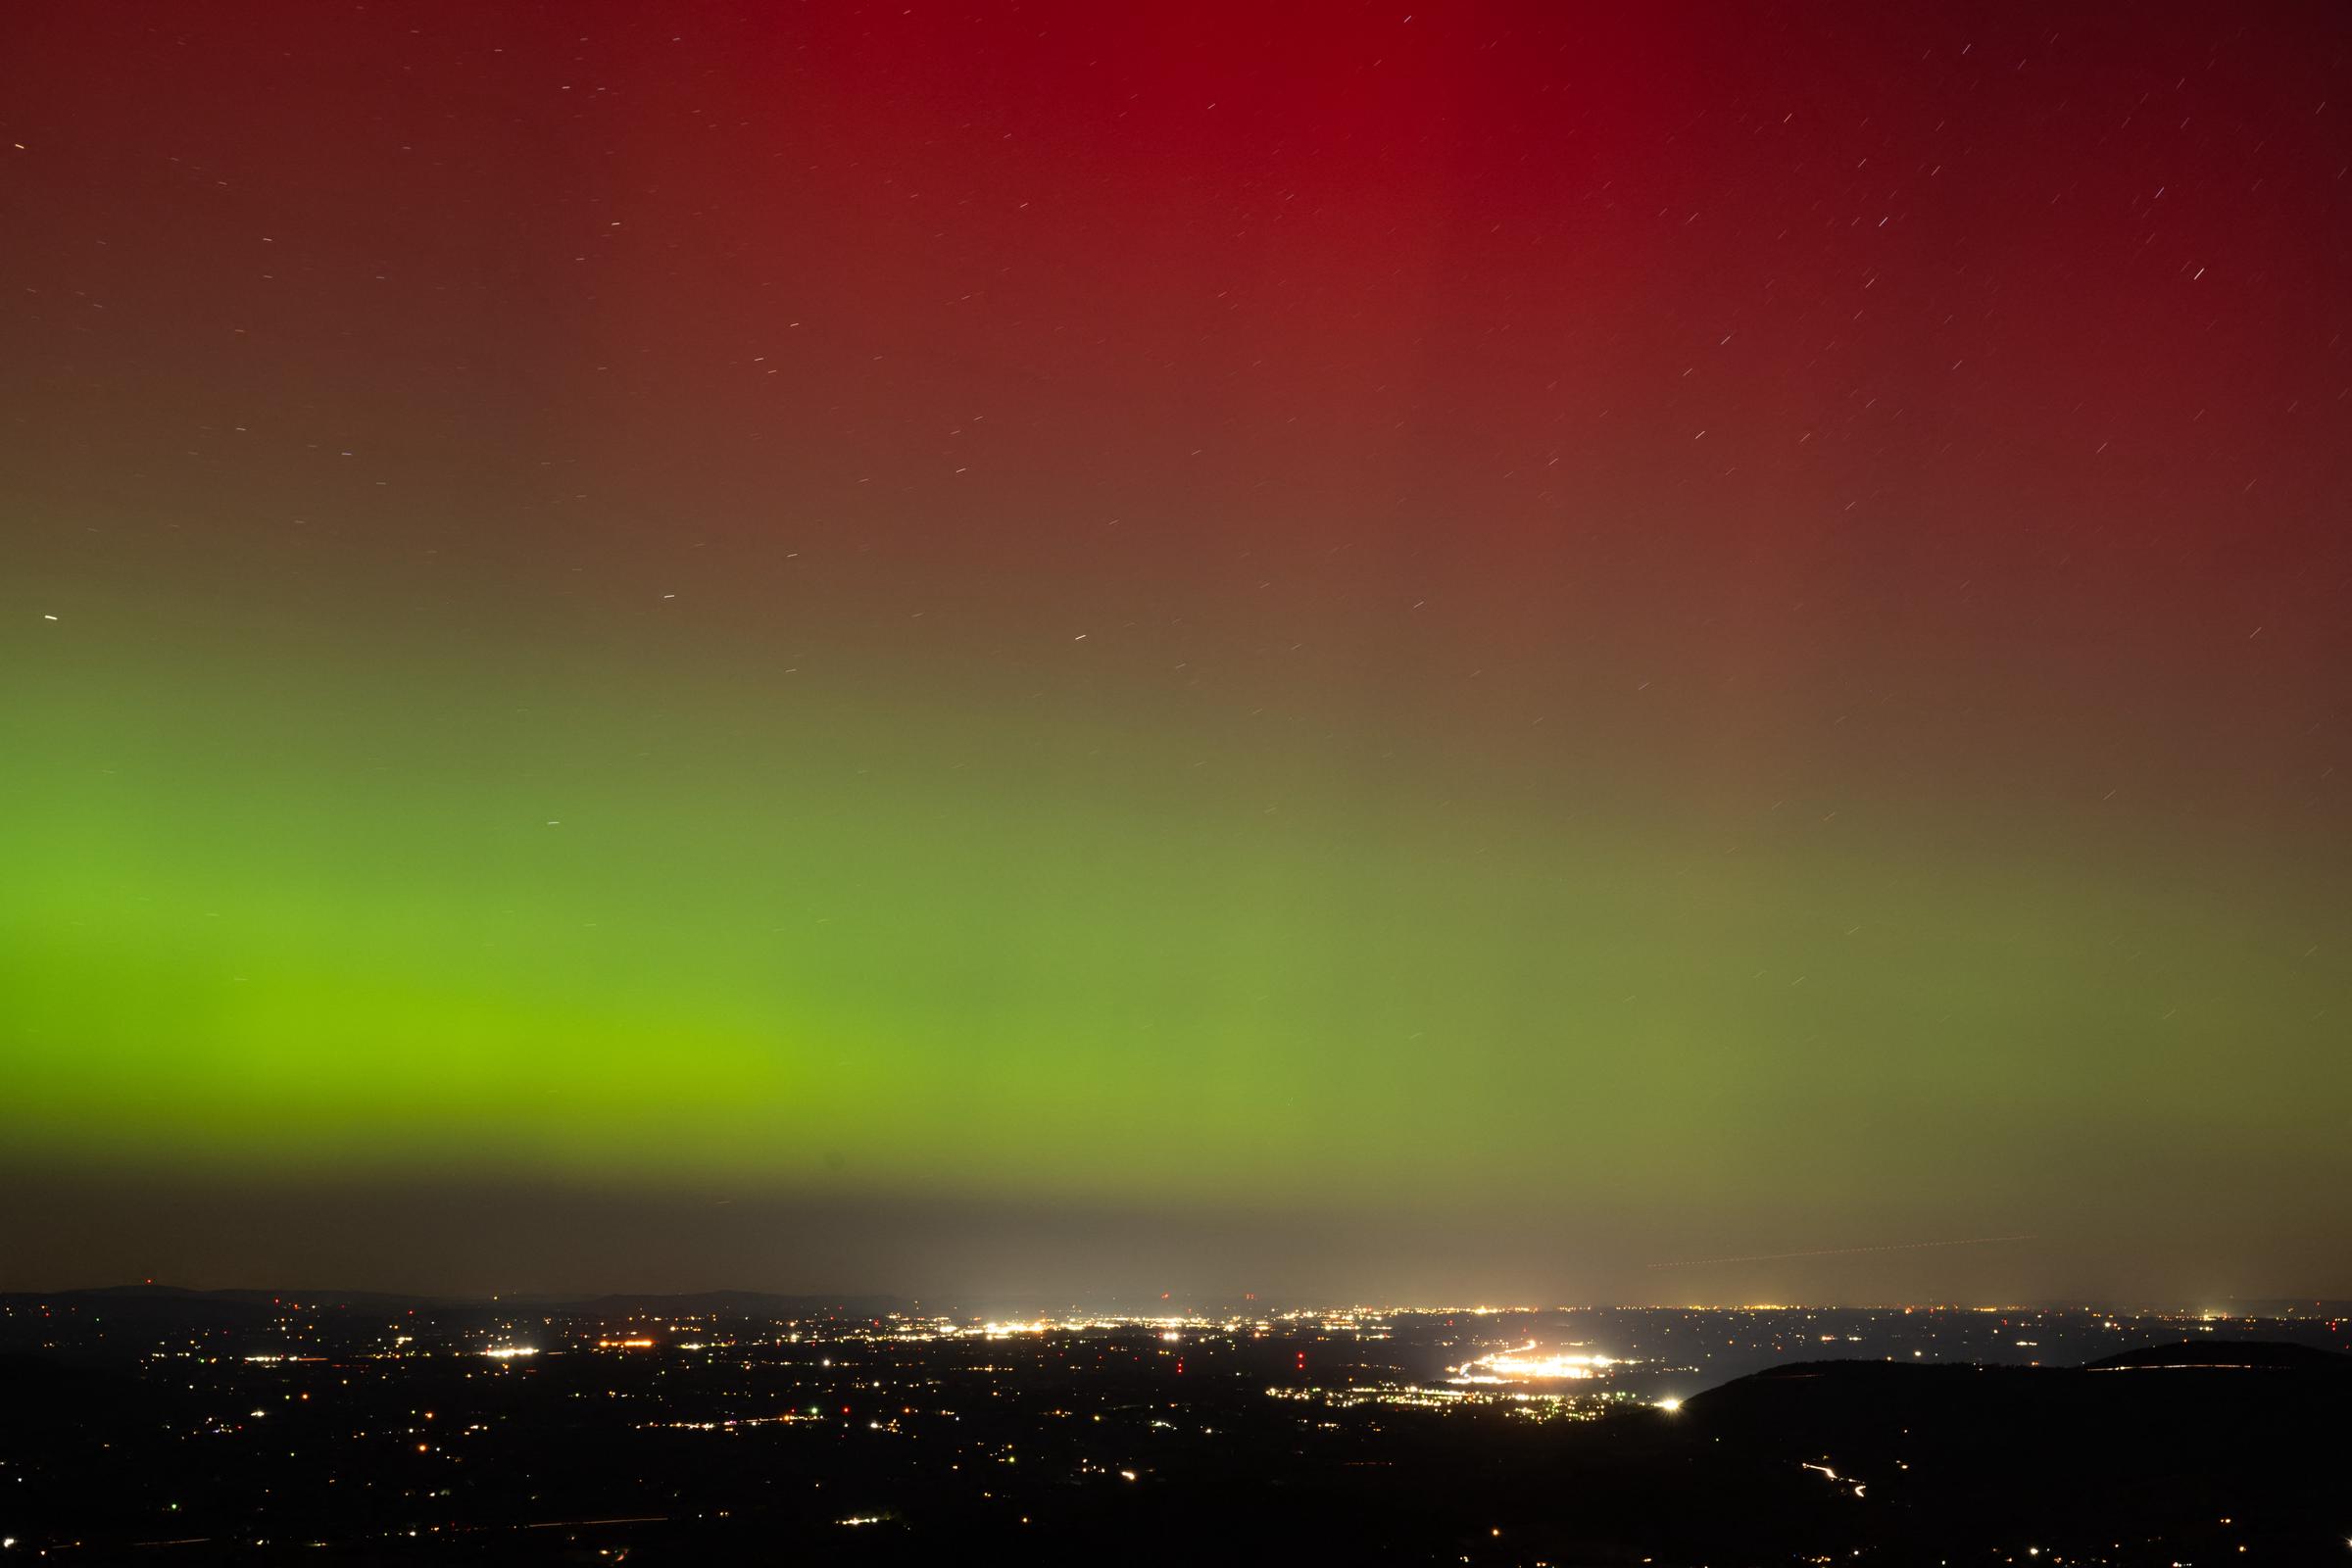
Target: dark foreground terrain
pixel 179 1429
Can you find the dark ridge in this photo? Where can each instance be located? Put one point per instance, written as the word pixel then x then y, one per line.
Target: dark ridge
pixel 157 1306
pixel 2234 1431
pixel 354 1300
pixel 2250 1355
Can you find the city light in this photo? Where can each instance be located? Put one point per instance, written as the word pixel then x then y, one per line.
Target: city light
pixel 1522 1365
pixel 1066 1396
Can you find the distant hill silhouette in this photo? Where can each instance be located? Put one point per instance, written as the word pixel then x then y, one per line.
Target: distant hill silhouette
pixel 2207 1355
pixel 1938 1455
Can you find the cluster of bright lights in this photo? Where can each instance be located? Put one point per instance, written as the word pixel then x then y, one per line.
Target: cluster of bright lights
pixel 1534 1405
pixel 1005 1331
pixel 1524 1366
pixel 1169 1327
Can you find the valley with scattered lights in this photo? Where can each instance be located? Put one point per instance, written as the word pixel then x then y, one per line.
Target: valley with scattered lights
pixel 179 1426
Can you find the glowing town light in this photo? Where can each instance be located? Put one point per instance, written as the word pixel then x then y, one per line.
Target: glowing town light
pixel 1522 1366
pixel 1005 1331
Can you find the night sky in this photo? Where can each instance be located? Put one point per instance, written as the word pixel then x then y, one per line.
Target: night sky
pixel 1346 650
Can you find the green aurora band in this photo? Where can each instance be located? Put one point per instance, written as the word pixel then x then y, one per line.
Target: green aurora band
pixel 292 906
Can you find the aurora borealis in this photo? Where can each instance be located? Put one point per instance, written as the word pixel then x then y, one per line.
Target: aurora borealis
pixel 1674 634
